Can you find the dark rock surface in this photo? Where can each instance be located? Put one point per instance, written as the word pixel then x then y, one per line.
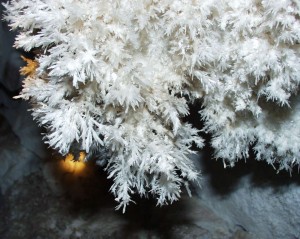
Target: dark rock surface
pixel 84 208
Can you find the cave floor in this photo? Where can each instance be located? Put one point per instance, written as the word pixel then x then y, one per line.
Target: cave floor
pixel 52 203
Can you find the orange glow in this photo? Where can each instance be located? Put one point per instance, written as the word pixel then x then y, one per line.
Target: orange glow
pixel 81 156
pixel 30 68
pixel 73 166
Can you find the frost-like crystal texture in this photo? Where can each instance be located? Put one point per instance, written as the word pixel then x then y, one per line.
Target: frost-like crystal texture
pixel 114 78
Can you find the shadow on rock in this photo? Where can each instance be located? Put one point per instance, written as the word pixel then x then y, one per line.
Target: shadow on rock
pixel 224 181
